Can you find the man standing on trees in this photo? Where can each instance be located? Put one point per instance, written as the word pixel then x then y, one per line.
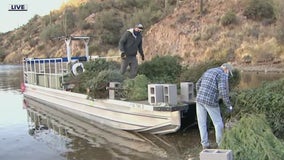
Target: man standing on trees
pixel 129 44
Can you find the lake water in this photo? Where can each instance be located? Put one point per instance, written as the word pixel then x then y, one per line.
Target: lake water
pixel 255 79
pixel 28 132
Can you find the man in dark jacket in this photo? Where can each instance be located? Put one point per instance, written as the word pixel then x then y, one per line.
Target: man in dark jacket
pixel 129 44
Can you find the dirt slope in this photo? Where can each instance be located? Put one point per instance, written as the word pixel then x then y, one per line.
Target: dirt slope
pixel 199 38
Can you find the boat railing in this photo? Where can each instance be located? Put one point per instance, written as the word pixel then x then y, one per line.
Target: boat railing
pixel 46 72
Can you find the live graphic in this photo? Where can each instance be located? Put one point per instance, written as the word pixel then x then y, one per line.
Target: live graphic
pixel 18 7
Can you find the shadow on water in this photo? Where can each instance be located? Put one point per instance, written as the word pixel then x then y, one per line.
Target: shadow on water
pixel 77 139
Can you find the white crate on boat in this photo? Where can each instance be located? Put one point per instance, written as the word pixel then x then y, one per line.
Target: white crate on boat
pixel 170 93
pixel 155 93
pixel 186 91
pixel 216 154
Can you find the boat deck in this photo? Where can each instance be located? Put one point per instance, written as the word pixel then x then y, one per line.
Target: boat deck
pixel 43 81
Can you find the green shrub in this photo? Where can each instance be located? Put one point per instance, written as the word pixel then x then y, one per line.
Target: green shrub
pixel 137 88
pixel 147 12
pixel 259 10
pixel 51 31
pixel 251 138
pixel 110 21
pixel 192 74
pixel 98 85
pixel 267 99
pixel 86 9
pixel 98 65
pixel 110 24
pixel 84 25
pixel 162 69
pixel 40 47
pixel 69 19
pixel 84 81
pixel 110 38
pixel 229 18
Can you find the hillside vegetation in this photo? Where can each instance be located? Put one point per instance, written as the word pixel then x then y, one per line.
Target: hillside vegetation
pixel 244 31
pixel 104 21
pixel 241 31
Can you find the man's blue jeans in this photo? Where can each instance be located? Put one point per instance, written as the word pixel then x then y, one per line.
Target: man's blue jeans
pixel 215 115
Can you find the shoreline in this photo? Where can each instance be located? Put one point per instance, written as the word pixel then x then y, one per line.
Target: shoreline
pixel 266 68
pixel 260 68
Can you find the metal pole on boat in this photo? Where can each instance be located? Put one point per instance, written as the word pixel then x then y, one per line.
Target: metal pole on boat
pixel 86 42
pixel 68 48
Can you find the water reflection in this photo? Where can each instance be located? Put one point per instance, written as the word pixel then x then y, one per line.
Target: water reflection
pixel 10 97
pixel 77 139
pixel 255 79
pixel 10 77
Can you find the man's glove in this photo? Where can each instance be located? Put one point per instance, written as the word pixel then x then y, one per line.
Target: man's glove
pixel 142 57
pixel 230 109
pixel 123 55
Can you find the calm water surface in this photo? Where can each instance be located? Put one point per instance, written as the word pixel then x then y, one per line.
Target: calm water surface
pixel 255 79
pixel 29 131
pixel 15 142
